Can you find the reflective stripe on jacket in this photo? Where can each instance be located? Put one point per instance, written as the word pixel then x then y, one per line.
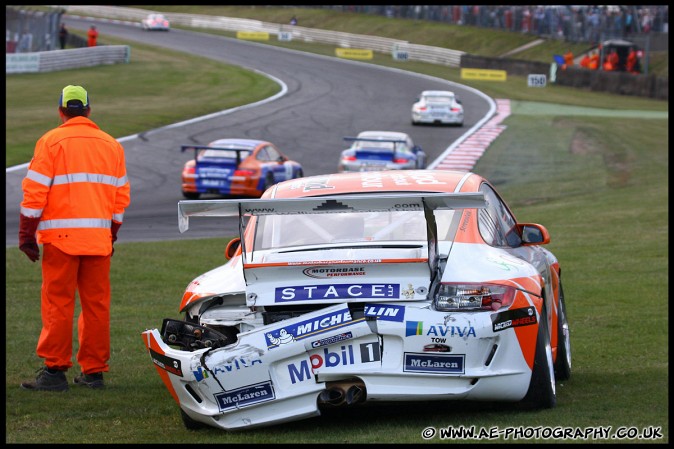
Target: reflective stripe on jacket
pixel 77 184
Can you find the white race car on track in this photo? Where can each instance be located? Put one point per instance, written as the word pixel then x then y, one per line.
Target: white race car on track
pixel 155 22
pixel 410 285
pixel 437 107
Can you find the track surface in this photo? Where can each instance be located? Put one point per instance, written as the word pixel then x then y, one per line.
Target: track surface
pixel 324 99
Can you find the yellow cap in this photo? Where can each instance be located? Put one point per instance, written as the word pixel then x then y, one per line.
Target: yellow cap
pixel 71 93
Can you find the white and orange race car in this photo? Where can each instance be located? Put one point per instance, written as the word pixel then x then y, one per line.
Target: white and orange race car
pixel 410 285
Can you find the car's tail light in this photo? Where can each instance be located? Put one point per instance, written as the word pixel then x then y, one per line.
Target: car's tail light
pixel 189 172
pixel 456 109
pixel 349 158
pixel 473 297
pixel 400 160
pixel 243 173
pixel 421 108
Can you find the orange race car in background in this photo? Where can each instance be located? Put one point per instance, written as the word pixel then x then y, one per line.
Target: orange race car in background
pixel 236 167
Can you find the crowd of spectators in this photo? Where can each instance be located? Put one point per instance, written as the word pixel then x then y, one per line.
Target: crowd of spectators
pixel 572 23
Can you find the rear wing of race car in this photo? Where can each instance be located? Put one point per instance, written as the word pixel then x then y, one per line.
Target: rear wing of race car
pixel 365 139
pixel 234 152
pixel 395 142
pixel 366 202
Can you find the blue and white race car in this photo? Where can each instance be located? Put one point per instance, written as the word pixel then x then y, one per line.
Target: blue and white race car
pixel 381 150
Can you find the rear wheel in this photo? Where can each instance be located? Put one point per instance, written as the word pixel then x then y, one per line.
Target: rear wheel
pixel 563 361
pixel 189 423
pixel 541 393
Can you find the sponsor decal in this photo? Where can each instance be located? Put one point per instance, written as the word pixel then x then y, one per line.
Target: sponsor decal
pixel 253 35
pixel 437 330
pixel 316 184
pixel 484 74
pixel 328 272
pixel 376 180
pixel 354 53
pixel 166 363
pixel 309 328
pixel 337 292
pixel 299 372
pixel 386 312
pixel 409 292
pixel 332 205
pixel 245 396
pixel 437 347
pixel 466 221
pixel 234 365
pixel 514 318
pixel 434 364
pixel 334 262
pixel 200 374
pixel 332 340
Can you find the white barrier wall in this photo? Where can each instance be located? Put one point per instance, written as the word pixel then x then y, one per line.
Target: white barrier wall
pixel 50 61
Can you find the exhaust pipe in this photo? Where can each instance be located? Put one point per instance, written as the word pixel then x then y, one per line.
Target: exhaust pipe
pixel 332 396
pixel 342 392
pixel 355 394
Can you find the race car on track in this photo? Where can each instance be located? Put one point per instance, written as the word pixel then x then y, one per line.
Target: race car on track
pixel 155 22
pixel 437 107
pixel 239 167
pixel 348 288
pixel 381 150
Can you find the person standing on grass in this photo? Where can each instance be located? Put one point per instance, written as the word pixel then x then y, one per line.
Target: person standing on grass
pixel 74 197
pixel 63 36
pixel 92 35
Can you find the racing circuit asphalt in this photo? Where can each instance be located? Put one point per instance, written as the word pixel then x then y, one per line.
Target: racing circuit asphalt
pixel 323 99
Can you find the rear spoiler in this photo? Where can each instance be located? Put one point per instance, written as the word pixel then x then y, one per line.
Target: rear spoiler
pixel 365 202
pixel 364 139
pixel 196 149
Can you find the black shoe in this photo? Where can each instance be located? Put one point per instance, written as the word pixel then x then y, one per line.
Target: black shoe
pixel 47 381
pixel 93 380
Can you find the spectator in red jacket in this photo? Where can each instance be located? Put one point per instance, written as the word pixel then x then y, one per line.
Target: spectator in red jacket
pixel 92 35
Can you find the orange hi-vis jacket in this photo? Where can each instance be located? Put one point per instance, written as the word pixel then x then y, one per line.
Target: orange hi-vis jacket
pixel 77 185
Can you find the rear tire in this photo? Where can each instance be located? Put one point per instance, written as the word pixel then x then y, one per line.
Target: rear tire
pixel 191 424
pixel 563 362
pixel 541 393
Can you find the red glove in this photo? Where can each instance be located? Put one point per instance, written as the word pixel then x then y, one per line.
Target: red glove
pixel 114 228
pixel 27 241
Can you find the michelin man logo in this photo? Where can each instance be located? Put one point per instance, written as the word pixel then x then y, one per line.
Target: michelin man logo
pixel 409 293
pixel 284 338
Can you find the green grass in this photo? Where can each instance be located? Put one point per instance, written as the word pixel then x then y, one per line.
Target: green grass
pixel 600 186
pixel 156 88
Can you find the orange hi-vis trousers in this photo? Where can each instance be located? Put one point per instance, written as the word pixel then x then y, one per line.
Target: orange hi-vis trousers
pixel 63 275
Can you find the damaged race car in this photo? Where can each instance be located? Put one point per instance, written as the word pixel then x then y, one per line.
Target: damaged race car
pixel 347 288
